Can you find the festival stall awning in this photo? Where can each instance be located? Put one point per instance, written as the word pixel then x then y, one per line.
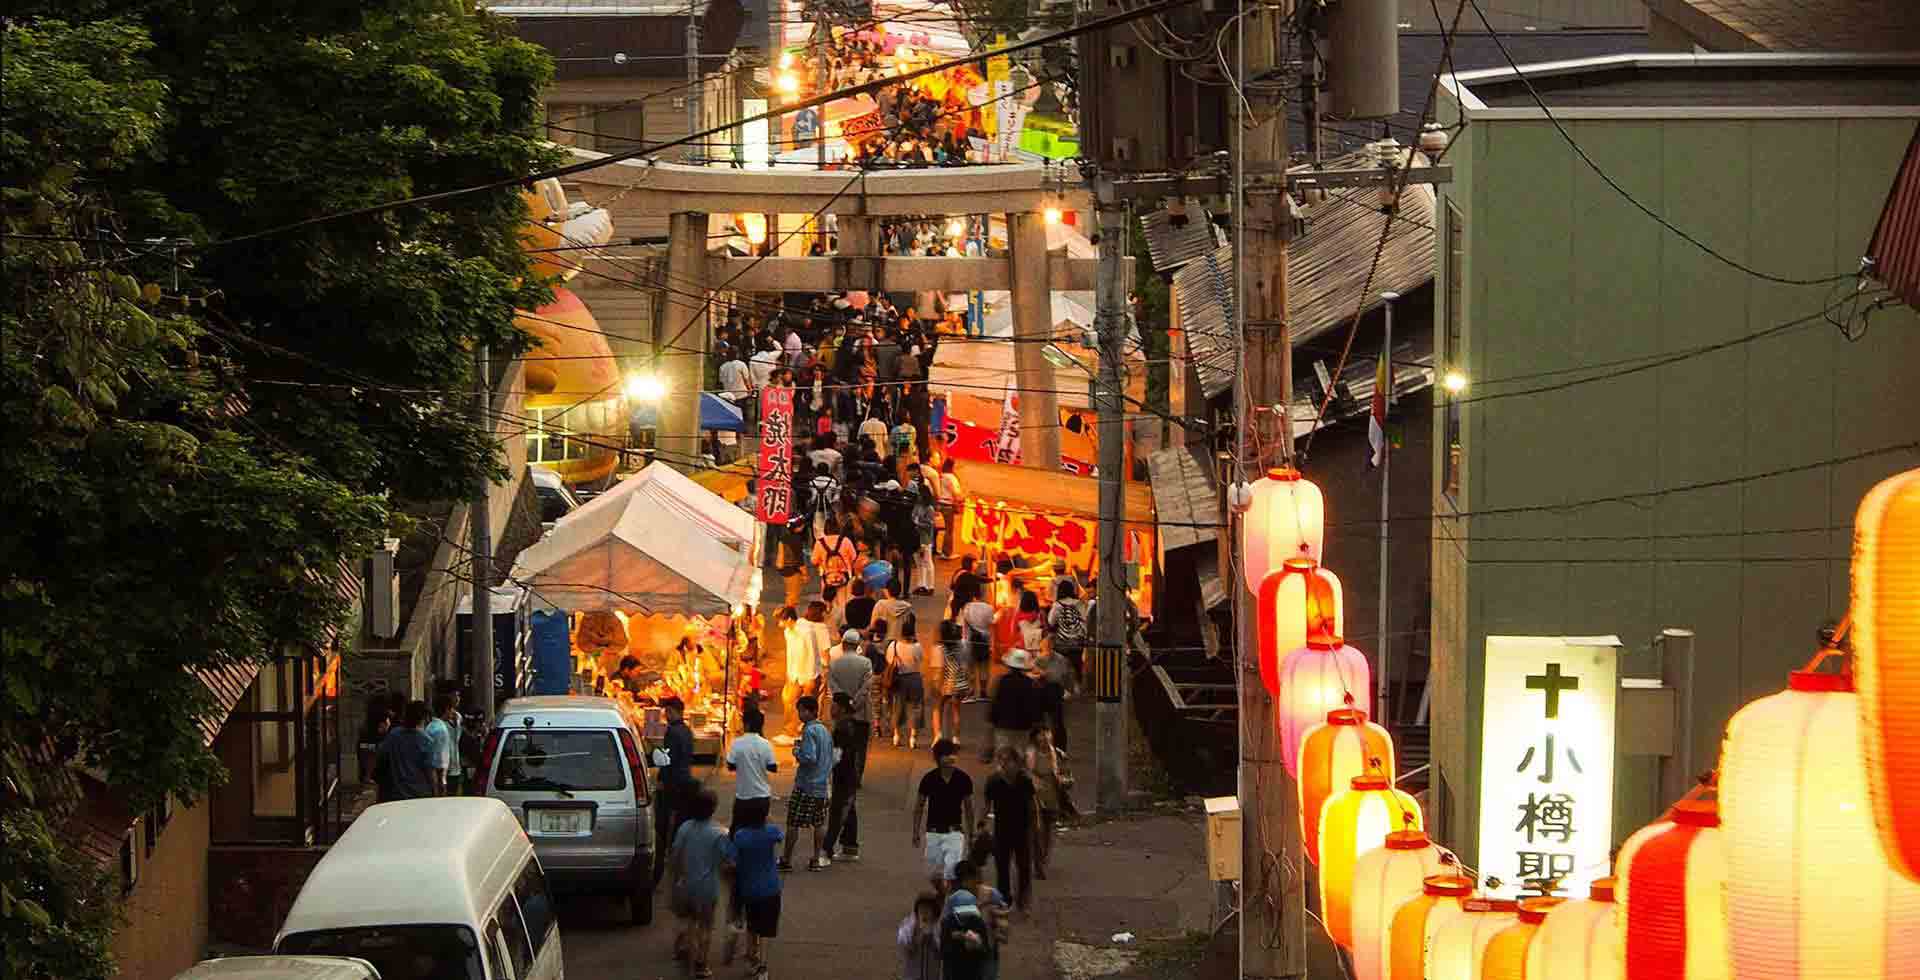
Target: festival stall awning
pixel 657 542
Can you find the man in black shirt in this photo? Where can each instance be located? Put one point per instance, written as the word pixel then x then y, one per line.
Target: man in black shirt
pixel 966 583
pixel 675 786
pixel 1010 805
pixel 942 813
pixel 1017 704
pixel 859 611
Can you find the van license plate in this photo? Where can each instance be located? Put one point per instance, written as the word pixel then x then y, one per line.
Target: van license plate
pixel 549 821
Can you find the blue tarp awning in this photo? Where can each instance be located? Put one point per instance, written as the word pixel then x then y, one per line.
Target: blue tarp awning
pixel 715 413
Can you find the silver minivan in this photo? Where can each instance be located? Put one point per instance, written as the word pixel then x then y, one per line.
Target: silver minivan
pixel 573 771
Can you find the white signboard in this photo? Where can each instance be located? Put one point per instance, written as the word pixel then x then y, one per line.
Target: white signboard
pixel 1546 761
pixel 754 139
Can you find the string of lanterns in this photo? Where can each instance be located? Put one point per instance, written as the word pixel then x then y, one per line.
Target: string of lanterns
pixel 1798 860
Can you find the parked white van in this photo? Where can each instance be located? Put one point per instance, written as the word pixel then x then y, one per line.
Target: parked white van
pixel 281 968
pixel 439 889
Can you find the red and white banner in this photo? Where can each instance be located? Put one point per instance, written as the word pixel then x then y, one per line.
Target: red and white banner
pixel 775 502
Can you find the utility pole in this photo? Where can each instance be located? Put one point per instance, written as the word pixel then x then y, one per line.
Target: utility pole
pixel 1110 620
pixel 1383 712
pixel 1273 862
pixel 693 79
pixel 822 40
pixel 481 526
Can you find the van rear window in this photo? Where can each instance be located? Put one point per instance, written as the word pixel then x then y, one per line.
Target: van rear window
pixel 559 759
pixel 398 952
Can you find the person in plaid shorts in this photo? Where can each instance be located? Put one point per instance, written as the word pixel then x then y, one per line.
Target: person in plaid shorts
pixel 813 757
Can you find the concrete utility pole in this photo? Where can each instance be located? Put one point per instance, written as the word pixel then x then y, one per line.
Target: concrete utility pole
pixel 1110 625
pixel 1273 862
pixel 481 527
pixel 1383 712
pixel 693 79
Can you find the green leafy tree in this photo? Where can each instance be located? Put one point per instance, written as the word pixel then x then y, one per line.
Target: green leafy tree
pixel 199 434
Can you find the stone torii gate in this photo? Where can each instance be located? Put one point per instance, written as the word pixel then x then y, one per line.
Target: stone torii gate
pixel 638 192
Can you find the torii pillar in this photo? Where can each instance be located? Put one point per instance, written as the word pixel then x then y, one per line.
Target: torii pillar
pixel 681 361
pixel 1032 330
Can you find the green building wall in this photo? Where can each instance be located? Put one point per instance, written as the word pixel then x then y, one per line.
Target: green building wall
pixel 1559 272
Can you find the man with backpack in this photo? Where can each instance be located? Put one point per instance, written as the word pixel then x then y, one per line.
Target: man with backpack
pixel 834 555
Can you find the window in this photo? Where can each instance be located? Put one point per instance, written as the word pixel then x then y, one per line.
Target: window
pixel 535 904
pixel 569 125
pixel 1453 354
pixel 570 760
pixel 549 441
pixel 619 129
pixel 496 967
pixel 399 952
pixel 129 864
pixel 514 930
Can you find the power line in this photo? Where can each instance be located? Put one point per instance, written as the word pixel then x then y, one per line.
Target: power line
pixel 1622 191
pixel 583 166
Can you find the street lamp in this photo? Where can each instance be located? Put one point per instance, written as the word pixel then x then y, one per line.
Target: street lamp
pixel 788 83
pixel 1455 382
pixel 1051 215
pixel 645 387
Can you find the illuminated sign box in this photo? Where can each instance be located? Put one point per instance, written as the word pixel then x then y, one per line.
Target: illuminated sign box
pixel 1546 761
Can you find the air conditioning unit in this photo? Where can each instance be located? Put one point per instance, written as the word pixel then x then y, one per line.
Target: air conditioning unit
pixel 382 595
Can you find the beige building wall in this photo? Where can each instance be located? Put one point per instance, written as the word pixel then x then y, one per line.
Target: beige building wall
pixel 166 915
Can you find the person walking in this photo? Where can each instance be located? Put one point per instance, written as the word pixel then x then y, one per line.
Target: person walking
pixel 893 609
pixel 674 783
pixel 442 731
pixel 969 946
pixel 843 806
pixel 750 758
pixel 757 885
pixel 977 617
pixel 1015 818
pixel 906 661
pixel 925 519
pixel 955 681
pixel 1016 706
pixel 834 555
pixel 807 645
pixel 918 939
pixel 1067 626
pixel 700 851
pixel 1053 793
pixel 942 812
pixel 403 764
pixel 807 806
pixel 881 692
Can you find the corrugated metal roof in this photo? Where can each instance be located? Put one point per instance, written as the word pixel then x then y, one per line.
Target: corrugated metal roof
pixel 1327 266
pixel 1170 247
pixel 1895 250
pixel 1183 498
pixel 1203 289
pixel 1800 25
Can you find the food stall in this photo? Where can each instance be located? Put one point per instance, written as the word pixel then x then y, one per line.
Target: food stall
pixel 1038 519
pixel 653 585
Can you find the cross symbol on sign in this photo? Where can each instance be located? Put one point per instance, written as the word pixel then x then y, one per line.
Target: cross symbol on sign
pixel 1552 683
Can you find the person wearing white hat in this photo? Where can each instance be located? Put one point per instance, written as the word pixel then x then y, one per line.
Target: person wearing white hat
pixel 1016 706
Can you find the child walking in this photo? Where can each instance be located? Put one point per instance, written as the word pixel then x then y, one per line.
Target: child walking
pixel 919 939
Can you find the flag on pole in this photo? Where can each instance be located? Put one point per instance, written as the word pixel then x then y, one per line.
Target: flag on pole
pixel 1377 419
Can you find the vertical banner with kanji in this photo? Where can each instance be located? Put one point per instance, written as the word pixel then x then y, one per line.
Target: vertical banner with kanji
pixel 775 503
pixel 1546 762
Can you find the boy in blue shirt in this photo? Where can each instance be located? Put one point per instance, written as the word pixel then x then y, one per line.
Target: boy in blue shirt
pixel 758 882
pixel 813 757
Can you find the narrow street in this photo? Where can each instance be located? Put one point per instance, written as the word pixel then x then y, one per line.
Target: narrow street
pixel 1144 874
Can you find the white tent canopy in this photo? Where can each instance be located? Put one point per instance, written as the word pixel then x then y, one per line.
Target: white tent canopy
pixel 657 542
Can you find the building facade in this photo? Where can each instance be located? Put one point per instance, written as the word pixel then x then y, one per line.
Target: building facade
pixel 1740 418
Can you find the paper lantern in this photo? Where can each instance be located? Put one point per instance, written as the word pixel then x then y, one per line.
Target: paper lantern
pixel 1507 953
pixel 1442 899
pixel 1460 947
pixel 1332 753
pixel 1670 879
pixel 1296 601
pixel 1886 649
pixel 1384 879
pixel 1287 520
pixel 1351 824
pixel 1579 940
pixel 1810 895
pixel 1315 679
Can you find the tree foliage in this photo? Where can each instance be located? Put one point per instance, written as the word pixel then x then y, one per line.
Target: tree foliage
pixel 199 433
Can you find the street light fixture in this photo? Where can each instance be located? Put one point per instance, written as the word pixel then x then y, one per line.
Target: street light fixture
pixel 1455 382
pixel 645 387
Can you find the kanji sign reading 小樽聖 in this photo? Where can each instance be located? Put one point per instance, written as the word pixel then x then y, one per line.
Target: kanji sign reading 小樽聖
pixel 1546 762
pixel 775 473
